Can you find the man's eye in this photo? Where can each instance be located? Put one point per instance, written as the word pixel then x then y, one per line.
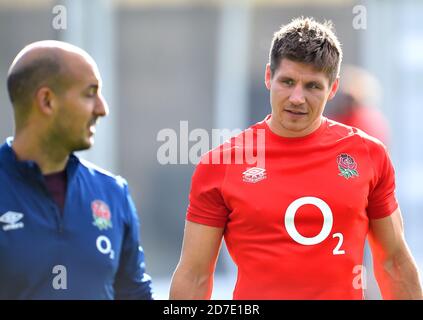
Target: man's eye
pixel 313 86
pixel 288 82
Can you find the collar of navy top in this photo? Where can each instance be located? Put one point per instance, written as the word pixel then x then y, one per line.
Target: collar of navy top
pixel 29 169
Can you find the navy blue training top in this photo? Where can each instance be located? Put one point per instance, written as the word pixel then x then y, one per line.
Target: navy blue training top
pixel 91 251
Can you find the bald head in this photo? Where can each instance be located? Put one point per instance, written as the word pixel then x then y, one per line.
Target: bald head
pixel 42 63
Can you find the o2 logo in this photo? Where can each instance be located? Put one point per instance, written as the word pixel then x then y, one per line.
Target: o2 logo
pixel 327 224
pixel 104 245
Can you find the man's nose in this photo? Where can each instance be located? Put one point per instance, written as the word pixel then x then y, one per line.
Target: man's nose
pixel 101 108
pixel 297 95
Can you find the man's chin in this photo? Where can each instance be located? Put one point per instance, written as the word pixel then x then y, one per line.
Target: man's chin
pixel 84 145
pixel 292 129
pixel 294 126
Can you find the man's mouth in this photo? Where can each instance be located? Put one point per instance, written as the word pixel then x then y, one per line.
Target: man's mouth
pixel 91 126
pixel 295 112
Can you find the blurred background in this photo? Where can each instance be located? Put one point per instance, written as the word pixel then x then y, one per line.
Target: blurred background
pixel 202 61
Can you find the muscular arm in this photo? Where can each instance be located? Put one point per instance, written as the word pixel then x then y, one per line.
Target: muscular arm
pixel 395 270
pixel 193 277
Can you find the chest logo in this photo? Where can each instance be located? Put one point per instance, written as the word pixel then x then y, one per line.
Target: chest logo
pixel 101 214
pixel 254 175
pixel 11 220
pixel 347 166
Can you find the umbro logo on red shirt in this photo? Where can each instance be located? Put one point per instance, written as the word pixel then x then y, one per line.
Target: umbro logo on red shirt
pixel 254 175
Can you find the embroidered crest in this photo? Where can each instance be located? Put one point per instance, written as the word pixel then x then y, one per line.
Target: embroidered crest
pixel 101 214
pixel 347 166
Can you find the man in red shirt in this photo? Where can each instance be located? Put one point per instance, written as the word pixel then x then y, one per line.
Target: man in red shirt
pixel 296 219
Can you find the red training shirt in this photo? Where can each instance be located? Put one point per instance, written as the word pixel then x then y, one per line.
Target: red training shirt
pixel 296 225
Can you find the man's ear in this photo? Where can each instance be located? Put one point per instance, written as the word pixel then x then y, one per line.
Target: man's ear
pixel 334 89
pixel 268 76
pixel 45 100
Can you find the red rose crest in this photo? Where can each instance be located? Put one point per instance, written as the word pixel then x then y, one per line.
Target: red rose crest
pixel 101 214
pixel 347 166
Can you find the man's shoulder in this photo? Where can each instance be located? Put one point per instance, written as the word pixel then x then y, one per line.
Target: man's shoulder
pixel 93 171
pixel 7 161
pixel 5 151
pixel 235 146
pixel 343 131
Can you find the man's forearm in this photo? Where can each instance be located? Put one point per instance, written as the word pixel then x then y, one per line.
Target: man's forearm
pixel 186 286
pixel 398 278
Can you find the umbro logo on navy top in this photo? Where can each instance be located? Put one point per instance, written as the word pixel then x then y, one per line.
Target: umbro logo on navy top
pixel 11 220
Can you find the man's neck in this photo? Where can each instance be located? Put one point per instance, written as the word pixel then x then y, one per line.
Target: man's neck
pixel 49 157
pixel 277 129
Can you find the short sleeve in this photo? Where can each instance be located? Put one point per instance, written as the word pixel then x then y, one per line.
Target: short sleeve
pixel 206 203
pixel 382 201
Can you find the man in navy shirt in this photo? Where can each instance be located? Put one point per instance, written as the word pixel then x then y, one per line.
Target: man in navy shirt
pixel 68 229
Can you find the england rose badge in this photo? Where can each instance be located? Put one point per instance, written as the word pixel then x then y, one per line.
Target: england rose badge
pixel 347 166
pixel 101 214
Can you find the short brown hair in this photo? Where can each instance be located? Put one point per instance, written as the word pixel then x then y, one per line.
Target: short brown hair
pixel 22 82
pixel 308 41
